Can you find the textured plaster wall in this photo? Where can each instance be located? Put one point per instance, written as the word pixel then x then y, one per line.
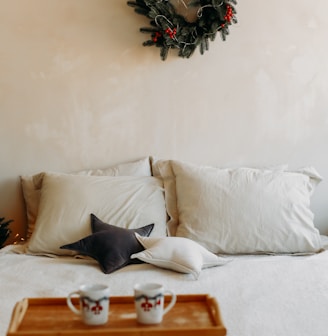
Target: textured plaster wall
pixel 77 90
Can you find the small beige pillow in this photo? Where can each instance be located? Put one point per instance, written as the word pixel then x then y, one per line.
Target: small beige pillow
pixel 163 170
pixel 32 184
pixel 68 200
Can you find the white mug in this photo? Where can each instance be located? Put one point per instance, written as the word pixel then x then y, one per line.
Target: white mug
pixel 149 302
pixel 94 304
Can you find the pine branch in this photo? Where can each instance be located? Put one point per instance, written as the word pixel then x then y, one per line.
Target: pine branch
pixel 4 230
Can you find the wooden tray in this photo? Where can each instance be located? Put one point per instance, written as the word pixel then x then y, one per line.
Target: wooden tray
pixel 191 315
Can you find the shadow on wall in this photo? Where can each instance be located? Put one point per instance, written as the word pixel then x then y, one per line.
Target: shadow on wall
pixel 13 208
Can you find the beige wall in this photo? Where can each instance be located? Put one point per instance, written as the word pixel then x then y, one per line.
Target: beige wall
pixel 77 90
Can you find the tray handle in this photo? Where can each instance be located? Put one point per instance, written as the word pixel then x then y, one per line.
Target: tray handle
pixel 18 314
pixel 214 308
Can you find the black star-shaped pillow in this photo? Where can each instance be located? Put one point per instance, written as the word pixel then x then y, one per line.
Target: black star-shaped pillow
pixel 110 245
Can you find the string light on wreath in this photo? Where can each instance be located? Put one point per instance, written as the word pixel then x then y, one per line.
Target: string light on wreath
pixel 171 30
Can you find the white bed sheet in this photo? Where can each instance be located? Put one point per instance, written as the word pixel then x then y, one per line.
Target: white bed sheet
pixel 257 295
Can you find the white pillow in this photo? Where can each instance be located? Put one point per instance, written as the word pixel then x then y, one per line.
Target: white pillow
pixel 246 210
pixel 68 200
pixel 32 184
pixel 178 254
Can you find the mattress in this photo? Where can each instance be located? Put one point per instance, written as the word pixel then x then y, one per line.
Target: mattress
pixel 258 295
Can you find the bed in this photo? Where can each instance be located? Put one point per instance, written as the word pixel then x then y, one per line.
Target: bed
pixel 244 235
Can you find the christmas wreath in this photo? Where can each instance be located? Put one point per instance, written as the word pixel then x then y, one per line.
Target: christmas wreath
pixel 171 30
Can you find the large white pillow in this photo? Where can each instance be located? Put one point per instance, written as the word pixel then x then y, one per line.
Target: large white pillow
pixel 178 254
pixel 246 210
pixel 32 184
pixel 68 200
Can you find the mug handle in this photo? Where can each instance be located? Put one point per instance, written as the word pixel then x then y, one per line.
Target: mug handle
pixel 172 303
pixel 70 304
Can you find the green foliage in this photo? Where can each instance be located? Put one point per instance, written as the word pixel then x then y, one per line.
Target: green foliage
pixel 170 30
pixel 4 230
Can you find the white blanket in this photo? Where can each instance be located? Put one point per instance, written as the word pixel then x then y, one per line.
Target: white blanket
pixel 257 295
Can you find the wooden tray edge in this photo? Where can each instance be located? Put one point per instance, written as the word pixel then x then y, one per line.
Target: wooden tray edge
pixel 21 307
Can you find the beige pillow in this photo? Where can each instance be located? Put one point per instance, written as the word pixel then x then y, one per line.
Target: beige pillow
pixel 68 200
pixel 32 184
pixel 242 210
pixel 163 170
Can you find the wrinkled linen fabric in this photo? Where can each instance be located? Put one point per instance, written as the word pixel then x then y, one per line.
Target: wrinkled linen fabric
pixel 257 294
